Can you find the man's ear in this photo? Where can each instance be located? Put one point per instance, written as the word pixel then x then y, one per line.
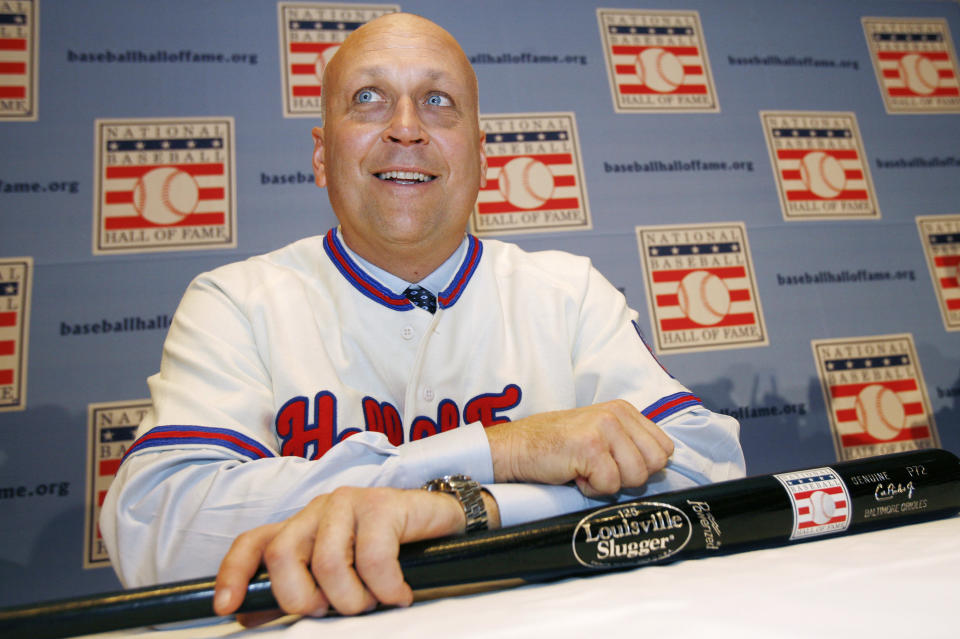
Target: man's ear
pixel 319 170
pixel 483 159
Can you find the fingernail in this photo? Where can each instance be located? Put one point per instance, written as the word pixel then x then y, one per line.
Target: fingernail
pixel 319 612
pixel 221 599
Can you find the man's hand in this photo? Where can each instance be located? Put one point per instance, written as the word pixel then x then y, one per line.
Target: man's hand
pixel 603 448
pixel 340 551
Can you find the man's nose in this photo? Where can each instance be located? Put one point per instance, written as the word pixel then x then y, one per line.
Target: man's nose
pixel 405 126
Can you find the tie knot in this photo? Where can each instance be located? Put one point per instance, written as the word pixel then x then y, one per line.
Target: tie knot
pixel 421 297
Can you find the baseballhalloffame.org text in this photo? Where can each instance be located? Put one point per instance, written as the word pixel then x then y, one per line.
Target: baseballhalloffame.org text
pixel 919 163
pixel 48 489
pixel 948 392
pixel 774 60
pixel 33 186
pixel 527 58
pixel 741 413
pixel 675 165
pixel 860 276
pixel 139 56
pixel 105 326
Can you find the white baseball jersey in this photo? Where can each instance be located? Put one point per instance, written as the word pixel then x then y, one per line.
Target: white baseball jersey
pixel 292 373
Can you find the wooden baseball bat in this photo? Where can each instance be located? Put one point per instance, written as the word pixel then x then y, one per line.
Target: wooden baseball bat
pixel 731 516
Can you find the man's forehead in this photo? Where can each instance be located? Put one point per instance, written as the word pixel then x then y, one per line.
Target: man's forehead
pixel 383 70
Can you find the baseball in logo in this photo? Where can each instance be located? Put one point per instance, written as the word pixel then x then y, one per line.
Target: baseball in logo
pixel 875 395
pixel 534 175
pixel 701 289
pixel 819 165
pixel 915 64
pixel 310 34
pixel 111 428
pixel 164 185
pixel 940 236
pixel 820 500
pixel 16 280
pixel 18 60
pixel 657 61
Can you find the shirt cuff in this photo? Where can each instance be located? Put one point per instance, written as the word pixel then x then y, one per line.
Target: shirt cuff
pixel 521 503
pixel 463 450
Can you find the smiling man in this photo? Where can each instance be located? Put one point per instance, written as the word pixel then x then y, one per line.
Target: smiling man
pixel 306 396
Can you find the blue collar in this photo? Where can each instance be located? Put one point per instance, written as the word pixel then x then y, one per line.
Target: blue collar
pixel 387 289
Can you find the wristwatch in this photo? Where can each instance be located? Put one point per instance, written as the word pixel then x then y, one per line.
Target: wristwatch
pixel 469 494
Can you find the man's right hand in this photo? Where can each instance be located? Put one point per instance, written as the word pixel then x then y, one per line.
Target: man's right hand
pixel 340 551
pixel 603 448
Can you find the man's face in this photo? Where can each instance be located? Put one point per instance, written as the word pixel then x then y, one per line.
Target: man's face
pixel 400 152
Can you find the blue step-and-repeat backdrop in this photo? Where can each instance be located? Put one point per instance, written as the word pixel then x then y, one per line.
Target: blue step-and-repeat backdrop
pixel 775 186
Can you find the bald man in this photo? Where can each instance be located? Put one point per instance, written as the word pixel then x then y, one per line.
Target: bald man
pixel 306 396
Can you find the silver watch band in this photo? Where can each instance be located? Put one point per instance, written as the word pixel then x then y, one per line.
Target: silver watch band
pixel 468 493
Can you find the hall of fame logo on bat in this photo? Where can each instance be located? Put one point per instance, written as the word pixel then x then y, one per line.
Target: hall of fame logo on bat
pixel 819 165
pixel 164 185
pixel 820 500
pixel 915 63
pixel 940 236
pixel 16 280
pixel 701 288
pixel 875 395
pixel 534 176
pixel 111 428
pixel 310 33
pixel 19 38
pixel 657 61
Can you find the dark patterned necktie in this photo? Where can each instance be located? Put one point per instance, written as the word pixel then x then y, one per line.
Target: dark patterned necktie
pixel 421 297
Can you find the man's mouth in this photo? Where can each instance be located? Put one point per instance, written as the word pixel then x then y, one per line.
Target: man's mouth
pixel 405 177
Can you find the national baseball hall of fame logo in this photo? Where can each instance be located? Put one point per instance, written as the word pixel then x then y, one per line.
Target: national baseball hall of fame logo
pixel 820 502
pixel 701 289
pixel 940 236
pixel 875 395
pixel 819 165
pixel 16 280
pixel 164 185
pixel 18 60
pixel 657 61
pixel 310 33
pixel 915 63
pixel 534 175
pixel 111 428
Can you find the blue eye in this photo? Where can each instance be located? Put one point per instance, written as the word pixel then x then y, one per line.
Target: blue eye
pixel 438 100
pixel 366 95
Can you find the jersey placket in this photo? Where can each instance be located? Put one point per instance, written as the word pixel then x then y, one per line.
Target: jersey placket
pixel 420 397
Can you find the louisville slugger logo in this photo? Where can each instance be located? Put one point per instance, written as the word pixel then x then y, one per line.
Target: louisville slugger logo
pixel 534 175
pixel 940 237
pixel 819 165
pixel 164 185
pixel 310 34
pixel 915 64
pixel 701 289
pixel 630 534
pixel 656 61
pixel 18 60
pixel 875 395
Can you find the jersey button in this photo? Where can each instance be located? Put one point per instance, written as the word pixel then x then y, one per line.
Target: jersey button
pixel 428 394
pixel 407 332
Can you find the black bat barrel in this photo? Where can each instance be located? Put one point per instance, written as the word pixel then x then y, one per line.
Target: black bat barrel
pixel 730 516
